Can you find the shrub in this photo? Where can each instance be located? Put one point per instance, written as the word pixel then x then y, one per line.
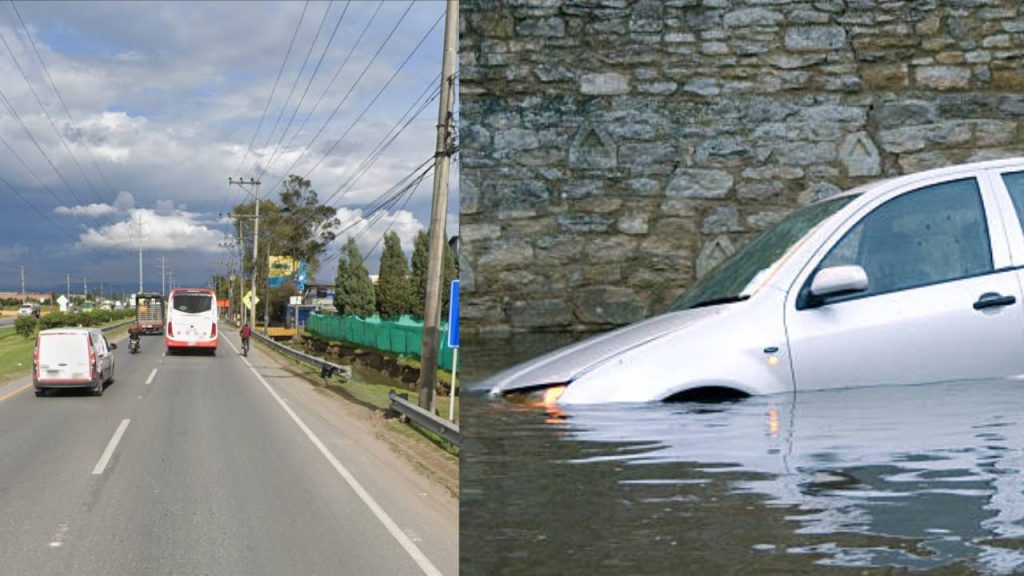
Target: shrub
pixel 25 325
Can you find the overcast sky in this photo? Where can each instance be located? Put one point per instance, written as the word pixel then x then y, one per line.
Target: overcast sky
pixel 164 100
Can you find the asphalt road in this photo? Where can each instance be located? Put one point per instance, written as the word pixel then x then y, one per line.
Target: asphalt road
pixel 7 321
pixel 197 465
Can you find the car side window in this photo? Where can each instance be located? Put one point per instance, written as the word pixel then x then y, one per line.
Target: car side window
pixel 98 344
pixel 930 235
pixel 1015 185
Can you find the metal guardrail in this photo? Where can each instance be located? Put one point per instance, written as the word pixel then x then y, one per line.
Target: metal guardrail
pixel 327 369
pixel 118 325
pixel 449 431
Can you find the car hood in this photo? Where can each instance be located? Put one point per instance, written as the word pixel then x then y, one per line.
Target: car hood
pixel 566 364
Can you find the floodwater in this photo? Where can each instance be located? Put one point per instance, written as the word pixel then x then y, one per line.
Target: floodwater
pixel 871 480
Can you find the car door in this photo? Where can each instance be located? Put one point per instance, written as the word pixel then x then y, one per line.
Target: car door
pixel 99 344
pixel 943 301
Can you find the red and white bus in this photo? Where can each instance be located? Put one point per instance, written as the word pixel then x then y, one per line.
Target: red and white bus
pixel 191 320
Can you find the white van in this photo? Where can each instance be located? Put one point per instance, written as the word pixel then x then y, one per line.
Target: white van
pixel 72 358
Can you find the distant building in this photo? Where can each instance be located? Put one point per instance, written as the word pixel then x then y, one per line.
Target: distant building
pixel 321 295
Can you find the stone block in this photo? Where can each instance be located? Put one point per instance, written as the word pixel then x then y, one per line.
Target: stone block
pixel 583 223
pixel 609 305
pixel 712 253
pixel 721 219
pixel 633 223
pixel 505 254
pixel 859 155
pixel 815 38
pixel 539 313
pixel 592 147
pixel 750 17
pixel 604 84
pixel 699 183
pixel 942 77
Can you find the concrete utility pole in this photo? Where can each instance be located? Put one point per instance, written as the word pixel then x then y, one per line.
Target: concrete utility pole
pixel 432 307
pixel 69 286
pixel 139 221
pixel 85 287
pixel 163 271
pixel 23 283
pixel 255 240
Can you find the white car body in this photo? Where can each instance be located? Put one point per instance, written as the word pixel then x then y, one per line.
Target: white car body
pixel 72 358
pixel 774 341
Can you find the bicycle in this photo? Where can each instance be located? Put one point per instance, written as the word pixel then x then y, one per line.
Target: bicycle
pixel 245 346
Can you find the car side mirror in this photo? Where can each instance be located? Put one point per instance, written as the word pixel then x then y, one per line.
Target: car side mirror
pixel 839 280
pixel 113 346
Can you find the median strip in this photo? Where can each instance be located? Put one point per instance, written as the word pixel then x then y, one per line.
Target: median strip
pixel 111 446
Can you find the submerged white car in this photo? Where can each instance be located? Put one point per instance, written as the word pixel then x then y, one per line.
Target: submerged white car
pixel 916 279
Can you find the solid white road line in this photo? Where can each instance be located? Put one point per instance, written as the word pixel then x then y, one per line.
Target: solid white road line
pixel 105 458
pixel 410 547
pixel 151 376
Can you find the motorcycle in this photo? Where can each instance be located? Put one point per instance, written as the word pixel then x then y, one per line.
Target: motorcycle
pixel 133 344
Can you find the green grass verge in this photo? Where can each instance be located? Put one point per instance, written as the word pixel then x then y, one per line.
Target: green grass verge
pixel 375 397
pixel 16 352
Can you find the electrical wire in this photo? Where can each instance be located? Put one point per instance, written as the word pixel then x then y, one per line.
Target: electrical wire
pixel 337 73
pixel 49 118
pixel 14 113
pixel 60 98
pixel 345 98
pixel 305 91
pixel 302 69
pixel 266 108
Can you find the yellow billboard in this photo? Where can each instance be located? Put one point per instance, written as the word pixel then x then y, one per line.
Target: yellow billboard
pixel 282 268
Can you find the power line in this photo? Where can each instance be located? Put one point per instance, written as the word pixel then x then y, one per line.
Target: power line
pixel 14 113
pixel 305 91
pixel 60 98
pixel 302 69
pixel 266 108
pixel 381 147
pixel 345 98
pixel 375 154
pixel 49 118
pixel 373 211
pixel 337 73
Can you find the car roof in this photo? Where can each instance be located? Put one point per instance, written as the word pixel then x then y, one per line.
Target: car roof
pixel 953 170
pixel 69 330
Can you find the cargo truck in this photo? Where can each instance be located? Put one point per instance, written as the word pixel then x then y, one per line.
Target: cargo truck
pixel 149 312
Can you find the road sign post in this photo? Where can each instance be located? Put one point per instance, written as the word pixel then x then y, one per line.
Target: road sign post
pixel 453 343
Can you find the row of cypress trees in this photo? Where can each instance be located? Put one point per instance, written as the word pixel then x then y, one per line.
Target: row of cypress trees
pixel 401 288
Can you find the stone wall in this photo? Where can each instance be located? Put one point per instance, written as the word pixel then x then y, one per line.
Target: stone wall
pixel 612 150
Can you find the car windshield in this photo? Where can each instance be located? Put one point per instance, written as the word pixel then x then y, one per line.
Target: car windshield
pixel 736 277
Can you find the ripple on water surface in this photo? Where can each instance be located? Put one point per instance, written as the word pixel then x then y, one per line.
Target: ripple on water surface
pixel 921 477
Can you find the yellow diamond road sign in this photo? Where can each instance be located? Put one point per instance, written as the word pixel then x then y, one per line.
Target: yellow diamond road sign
pixel 247 300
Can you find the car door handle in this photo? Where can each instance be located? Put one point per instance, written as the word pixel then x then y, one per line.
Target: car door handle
pixel 992 300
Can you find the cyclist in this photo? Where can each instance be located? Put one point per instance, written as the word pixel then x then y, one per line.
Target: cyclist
pixel 245 333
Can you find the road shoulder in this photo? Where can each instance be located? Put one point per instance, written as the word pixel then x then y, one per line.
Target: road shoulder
pixel 417 456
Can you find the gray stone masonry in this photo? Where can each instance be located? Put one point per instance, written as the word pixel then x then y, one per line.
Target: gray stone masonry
pixel 613 151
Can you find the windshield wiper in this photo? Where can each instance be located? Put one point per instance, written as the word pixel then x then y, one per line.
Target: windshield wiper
pixel 723 300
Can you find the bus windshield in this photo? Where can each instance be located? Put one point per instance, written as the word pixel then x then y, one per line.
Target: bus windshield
pixel 193 303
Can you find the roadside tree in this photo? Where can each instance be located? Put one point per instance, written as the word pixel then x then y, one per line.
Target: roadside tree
pixel 394 287
pixel 353 290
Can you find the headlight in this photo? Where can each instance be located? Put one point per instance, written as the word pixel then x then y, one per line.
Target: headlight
pixel 545 395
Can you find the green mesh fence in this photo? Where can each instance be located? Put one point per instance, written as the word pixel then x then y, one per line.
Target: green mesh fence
pixel 403 336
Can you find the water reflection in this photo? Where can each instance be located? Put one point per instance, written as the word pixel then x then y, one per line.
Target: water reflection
pixel 907 477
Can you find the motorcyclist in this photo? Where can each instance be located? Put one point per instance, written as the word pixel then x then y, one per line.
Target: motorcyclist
pixel 245 333
pixel 134 333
